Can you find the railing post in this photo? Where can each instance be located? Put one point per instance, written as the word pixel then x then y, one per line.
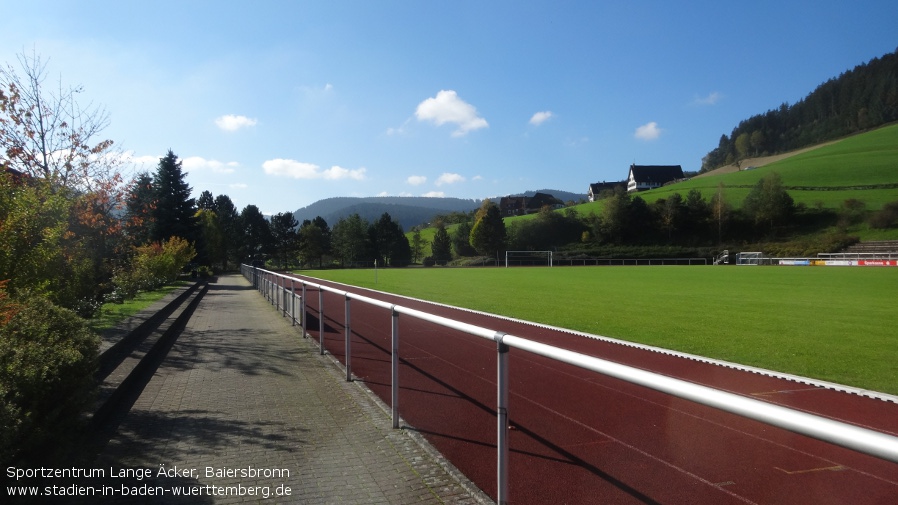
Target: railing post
pixel 321 320
pixel 394 388
pixel 302 304
pixel 501 420
pixel 348 345
pixel 292 302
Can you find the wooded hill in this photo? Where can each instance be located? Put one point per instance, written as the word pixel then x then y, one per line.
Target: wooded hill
pixel 408 211
pixel 860 99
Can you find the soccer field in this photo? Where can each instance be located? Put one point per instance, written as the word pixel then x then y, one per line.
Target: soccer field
pixel 832 323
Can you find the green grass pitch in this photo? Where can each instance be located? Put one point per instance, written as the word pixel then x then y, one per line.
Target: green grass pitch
pixel 831 323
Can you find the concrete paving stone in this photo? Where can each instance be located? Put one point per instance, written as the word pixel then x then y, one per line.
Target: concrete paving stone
pixel 241 389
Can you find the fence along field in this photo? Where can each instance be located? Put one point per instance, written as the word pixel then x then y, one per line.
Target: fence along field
pixel 832 324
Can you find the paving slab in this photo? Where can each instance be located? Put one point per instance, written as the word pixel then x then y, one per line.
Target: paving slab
pixel 244 410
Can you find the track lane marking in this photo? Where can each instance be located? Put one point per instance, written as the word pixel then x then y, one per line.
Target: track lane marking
pixel 673 354
pixel 701 419
pixel 639 451
pixel 838 468
pixel 784 391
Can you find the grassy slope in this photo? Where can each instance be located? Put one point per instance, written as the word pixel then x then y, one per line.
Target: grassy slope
pixel 834 324
pixel 867 159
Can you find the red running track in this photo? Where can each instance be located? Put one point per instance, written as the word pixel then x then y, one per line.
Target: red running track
pixel 580 437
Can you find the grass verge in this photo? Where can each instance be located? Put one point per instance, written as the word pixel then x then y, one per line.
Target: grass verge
pixel 111 314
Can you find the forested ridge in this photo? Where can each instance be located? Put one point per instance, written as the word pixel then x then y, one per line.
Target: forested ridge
pixel 857 100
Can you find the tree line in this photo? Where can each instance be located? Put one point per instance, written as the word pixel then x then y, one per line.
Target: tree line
pixel 859 99
pixel 625 220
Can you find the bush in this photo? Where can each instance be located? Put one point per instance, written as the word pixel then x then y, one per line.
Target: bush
pixel 885 218
pixel 48 358
pixel 153 266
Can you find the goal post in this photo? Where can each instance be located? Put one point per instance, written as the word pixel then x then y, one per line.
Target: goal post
pixel 528 257
pixel 750 258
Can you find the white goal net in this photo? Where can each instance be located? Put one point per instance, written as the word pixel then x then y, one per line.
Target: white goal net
pixel 528 258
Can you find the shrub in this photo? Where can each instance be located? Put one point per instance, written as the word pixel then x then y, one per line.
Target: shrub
pixel 153 266
pixel 48 357
pixel 885 218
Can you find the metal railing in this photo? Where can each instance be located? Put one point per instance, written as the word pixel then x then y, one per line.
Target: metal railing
pixel 274 287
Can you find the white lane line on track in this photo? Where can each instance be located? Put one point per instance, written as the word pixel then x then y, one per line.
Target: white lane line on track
pixel 884 397
pixel 688 414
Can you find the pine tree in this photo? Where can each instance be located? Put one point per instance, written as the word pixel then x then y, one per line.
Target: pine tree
pixel 174 211
pixel 206 201
pixel 257 238
pixel 441 247
pixel 139 209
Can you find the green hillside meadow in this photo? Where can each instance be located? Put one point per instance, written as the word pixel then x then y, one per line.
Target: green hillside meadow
pixel 832 323
pixel 856 167
pixel 860 167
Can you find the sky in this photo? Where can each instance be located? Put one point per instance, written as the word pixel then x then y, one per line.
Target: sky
pixel 280 104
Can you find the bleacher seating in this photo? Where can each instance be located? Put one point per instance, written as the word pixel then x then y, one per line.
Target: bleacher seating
pixel 873 247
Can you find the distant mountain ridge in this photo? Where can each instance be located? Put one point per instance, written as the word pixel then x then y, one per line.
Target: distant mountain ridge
pixel 564 196
pixel 408 211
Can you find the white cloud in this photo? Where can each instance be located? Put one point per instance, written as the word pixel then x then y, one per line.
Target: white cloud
pixel 239 185
pixel 416 180
pixel 230 122
pixel 199 163
pixel 711 99
pixel 540 117
pixel 447 107
pixel 434 194
pixel 449 178
pixel 301 170
pixel 649 131
pixel 335 173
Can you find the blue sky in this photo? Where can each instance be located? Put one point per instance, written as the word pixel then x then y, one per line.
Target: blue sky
pixel 280 104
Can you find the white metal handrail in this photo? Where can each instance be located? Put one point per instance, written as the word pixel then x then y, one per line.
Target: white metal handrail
pixel 854 437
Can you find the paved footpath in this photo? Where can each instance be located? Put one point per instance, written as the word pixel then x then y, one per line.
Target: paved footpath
pixel 243 394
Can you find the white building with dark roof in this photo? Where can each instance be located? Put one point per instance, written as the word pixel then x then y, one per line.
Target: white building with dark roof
pixel 643 177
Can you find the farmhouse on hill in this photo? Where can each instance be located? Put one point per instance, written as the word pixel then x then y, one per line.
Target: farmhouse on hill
pixel 600 190
pixel 643 177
